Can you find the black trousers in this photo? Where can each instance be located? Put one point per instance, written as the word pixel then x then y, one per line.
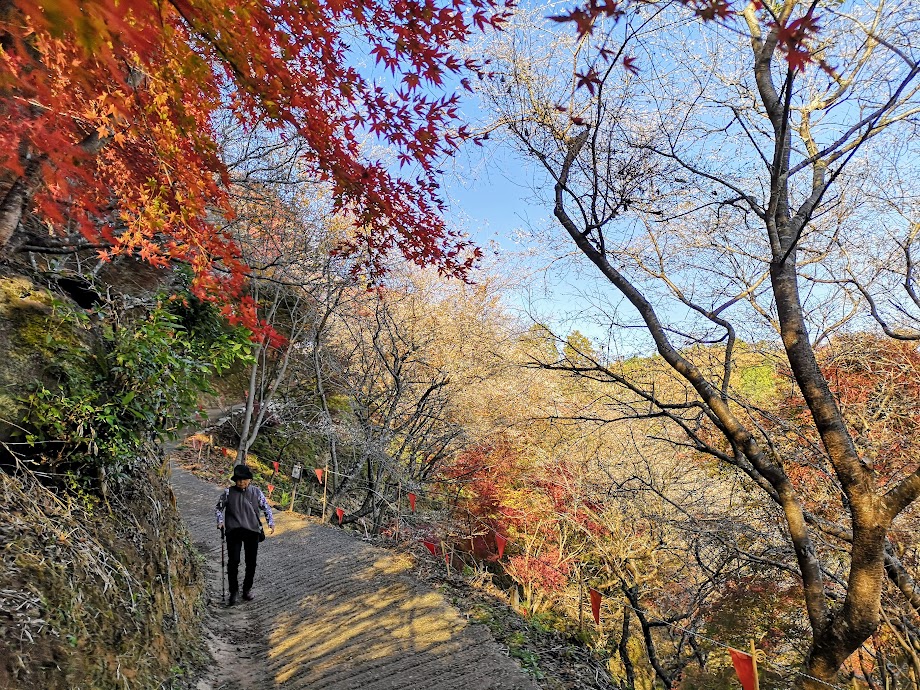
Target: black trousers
pixel 236 539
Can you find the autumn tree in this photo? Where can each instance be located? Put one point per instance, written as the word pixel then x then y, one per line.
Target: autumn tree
pixel 874 382
pixel 401 423
pixel 591 495
pixel 734 189
pixel 287 233
pixel 111 141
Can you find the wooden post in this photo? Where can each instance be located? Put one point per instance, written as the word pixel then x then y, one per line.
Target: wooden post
pixel 296 475
pixel 446 557
pixel 398 499
pixel 754 663
pixel 325 484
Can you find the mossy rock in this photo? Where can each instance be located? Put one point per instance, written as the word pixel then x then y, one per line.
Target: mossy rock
pixel 26 319
pixel 25 312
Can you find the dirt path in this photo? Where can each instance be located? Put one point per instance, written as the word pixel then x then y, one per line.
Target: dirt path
pixel 332 612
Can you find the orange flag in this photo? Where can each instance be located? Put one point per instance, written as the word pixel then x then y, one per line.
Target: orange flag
pixel 595 605
pixel 276 464
pixel 744 667
pixel 319 475
pixel 340 513
pixel 412 501
pixel 431 546
pixel 500 542
pixel 270 489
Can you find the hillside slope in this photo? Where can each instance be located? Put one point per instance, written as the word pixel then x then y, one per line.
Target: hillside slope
pixel 335 613
pixel 96 597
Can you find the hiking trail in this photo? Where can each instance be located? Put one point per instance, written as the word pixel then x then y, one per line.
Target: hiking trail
pixel 334 613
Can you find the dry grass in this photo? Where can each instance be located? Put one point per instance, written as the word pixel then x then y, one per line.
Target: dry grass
pixel 94 594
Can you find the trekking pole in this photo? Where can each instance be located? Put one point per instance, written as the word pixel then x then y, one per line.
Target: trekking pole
pixel 222 578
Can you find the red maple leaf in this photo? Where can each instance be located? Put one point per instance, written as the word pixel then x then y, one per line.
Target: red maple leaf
pixel 629 64
pixel 584 21
pixel 589 80
pixel 793 37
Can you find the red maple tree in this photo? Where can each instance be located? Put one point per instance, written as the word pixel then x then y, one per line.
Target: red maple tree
pixel 108 110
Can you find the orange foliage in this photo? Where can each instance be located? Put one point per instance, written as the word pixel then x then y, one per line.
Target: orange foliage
pixel 876 382
pixel 108 112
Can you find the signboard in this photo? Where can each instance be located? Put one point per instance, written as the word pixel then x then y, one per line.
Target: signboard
pixel 296 472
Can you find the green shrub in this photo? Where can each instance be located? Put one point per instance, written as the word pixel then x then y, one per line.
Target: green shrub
pixel 115 383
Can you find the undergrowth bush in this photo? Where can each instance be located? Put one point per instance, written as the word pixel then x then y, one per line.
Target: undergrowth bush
pixel 117 379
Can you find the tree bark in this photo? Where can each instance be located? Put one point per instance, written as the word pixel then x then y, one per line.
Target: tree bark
pixel 633 598
pixel 623 649
pixel 17 200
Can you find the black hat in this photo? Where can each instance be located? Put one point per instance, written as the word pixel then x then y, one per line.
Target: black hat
pixel 241 472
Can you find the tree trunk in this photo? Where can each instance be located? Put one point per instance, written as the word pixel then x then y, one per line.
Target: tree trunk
pixel 17 199
pixel 623 649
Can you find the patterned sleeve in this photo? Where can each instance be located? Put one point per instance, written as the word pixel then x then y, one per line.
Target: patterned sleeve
pixel 221 502
pixel 267 509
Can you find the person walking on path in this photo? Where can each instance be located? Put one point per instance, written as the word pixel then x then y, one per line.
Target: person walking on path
pixel 238 519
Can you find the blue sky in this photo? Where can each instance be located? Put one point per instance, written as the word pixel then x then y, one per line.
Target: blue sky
pixel 491 195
